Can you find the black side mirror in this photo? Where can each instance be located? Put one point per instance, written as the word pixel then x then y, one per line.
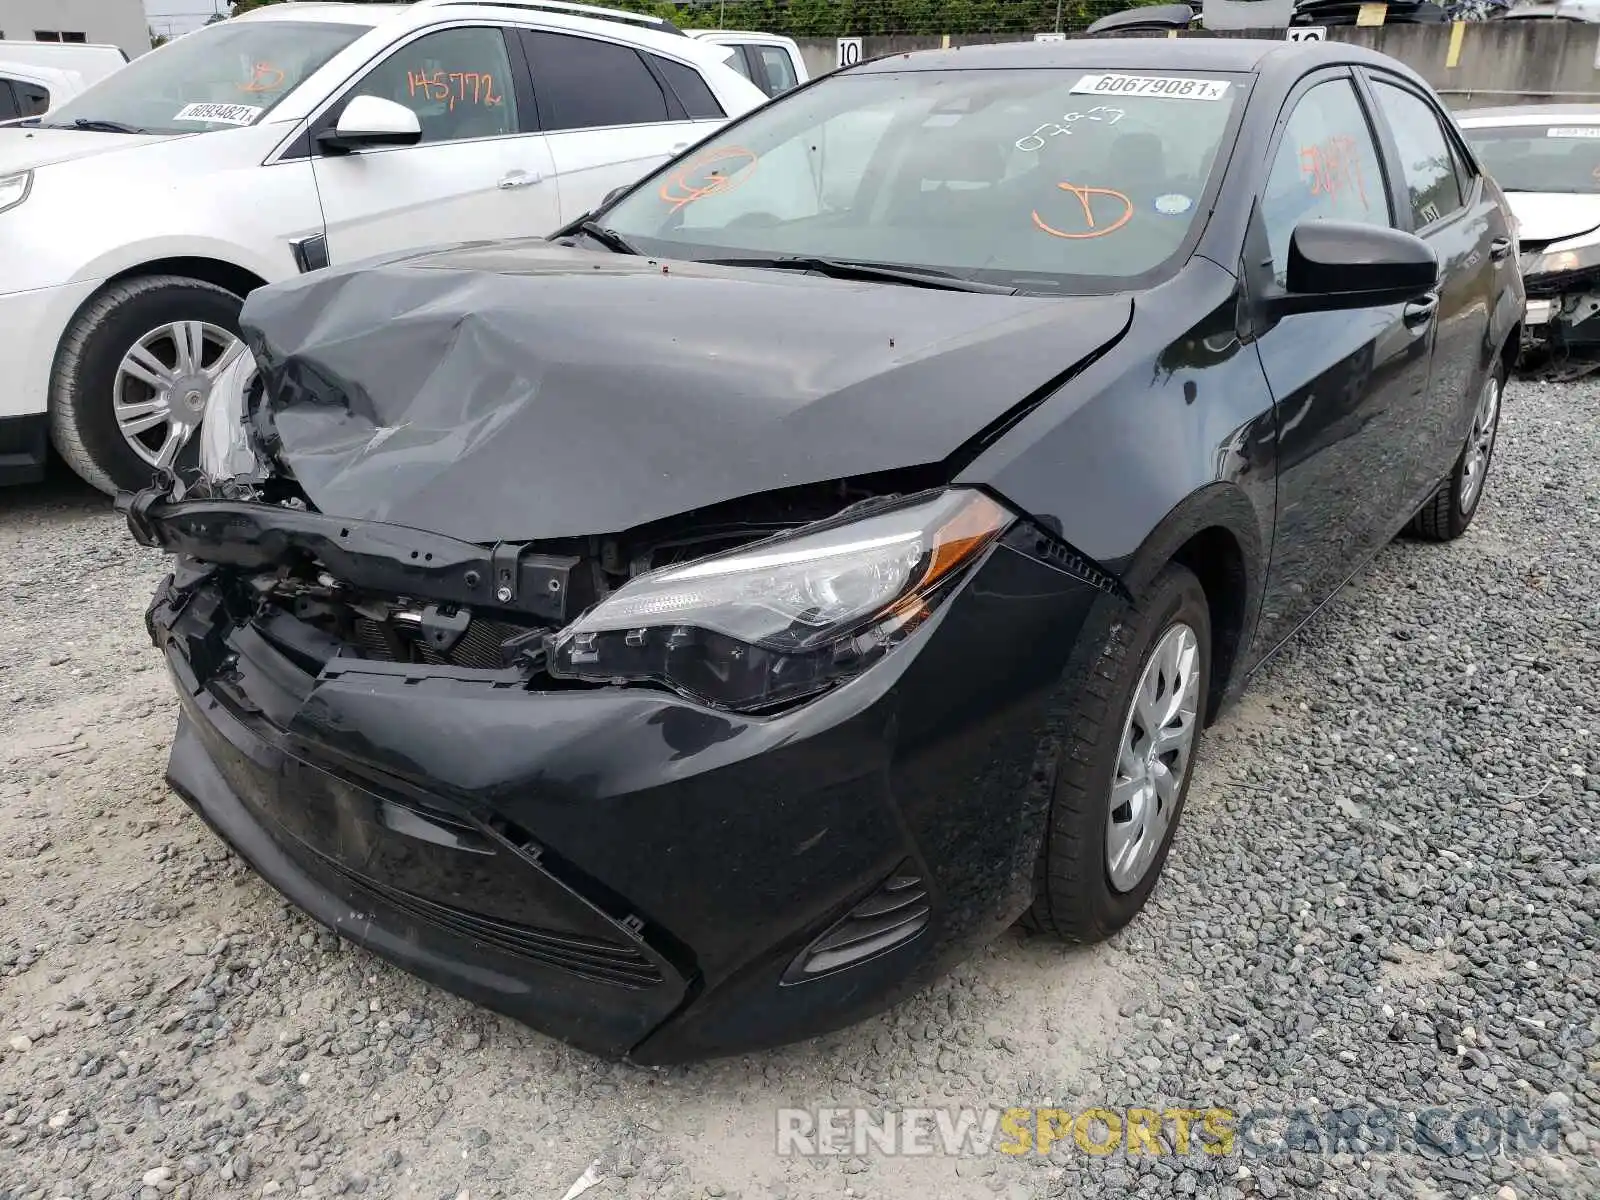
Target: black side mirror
pixel 1344 264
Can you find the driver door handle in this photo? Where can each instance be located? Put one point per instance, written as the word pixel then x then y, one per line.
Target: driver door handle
pixel 1499 248
pixel 1420 311
pixel 518 179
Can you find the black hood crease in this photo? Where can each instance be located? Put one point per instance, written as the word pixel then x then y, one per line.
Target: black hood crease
pixel 530 391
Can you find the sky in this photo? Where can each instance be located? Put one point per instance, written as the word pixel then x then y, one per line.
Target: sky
pixel 172 17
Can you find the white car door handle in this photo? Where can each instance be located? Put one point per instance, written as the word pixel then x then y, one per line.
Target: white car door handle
pixel 519 179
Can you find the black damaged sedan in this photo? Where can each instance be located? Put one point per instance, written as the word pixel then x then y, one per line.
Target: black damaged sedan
pixel 691 632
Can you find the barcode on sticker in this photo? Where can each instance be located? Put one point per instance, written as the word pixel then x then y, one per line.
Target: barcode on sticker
pixel 1170 87
pixel 1573 131
pixel 219 114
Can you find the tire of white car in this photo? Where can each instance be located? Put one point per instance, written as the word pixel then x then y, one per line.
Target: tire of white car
pixel 83 417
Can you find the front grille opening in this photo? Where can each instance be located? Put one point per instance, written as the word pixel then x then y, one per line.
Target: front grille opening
pixel 892 915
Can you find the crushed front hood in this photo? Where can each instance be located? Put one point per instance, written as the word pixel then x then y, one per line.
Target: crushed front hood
pixel 1544 217
pixel 516 391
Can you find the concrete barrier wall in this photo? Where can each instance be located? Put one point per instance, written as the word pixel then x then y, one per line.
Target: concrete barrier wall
pixel 1471 64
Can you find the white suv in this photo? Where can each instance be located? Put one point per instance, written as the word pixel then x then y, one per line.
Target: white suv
pixel 134 218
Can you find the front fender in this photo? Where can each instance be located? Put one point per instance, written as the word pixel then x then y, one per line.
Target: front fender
pixel 119 260
pixel 1170 434
pixel 1179 404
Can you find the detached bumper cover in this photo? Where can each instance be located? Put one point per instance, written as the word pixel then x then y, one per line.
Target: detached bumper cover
pixel 625 870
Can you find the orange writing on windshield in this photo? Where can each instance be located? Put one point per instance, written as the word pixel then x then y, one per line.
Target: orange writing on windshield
pixel 264 77
pixel 1333 168
pixel 455 87
pixel 710 174
pixel 1102 211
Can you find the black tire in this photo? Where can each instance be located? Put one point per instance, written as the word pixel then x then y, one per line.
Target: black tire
pixel 1445 517
pixel 1073 895
pixel 82 425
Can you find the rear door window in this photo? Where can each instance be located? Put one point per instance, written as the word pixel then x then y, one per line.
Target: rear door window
pixel 8 104
pixel 1425 155
pixel 585 83
pixel 691 88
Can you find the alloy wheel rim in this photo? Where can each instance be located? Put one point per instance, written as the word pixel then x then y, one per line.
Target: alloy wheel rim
pixel 1485 424
pixel 164 383
pixel 1153 756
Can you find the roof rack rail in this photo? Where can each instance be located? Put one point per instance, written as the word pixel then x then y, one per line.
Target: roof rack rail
pixel 565 6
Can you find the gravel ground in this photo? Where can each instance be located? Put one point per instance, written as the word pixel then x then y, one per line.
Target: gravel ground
pixel 1384 895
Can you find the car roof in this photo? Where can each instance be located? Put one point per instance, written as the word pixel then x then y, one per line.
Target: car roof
pixel 638 28
pixel 1138 54
pixel 738 33
pixel 425 12
pixel 1529 114
pixel 332 13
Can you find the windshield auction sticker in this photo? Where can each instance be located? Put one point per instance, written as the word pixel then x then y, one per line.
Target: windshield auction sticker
pixel 1168 87
pixel 220 114
pixel 1573 131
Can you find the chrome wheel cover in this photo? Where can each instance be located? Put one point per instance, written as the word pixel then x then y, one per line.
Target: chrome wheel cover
pixel 163 384
pixel 1153 756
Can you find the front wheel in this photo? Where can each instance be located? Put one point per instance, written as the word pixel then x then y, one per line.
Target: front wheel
pixel 134 374
pixel 1450 510
pixel 1128 742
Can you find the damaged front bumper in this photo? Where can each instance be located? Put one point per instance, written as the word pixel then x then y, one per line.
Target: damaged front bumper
pixel 1563 308
pixel 620 867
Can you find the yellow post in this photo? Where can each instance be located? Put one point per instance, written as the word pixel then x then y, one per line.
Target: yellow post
pixel 1458 30
pixel 944 42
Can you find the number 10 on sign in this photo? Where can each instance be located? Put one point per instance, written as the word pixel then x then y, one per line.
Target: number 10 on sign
pixel 849 52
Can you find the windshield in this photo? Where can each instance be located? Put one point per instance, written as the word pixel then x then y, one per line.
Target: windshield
pixel 1042 180
pixel 224 75
pixel 1540 158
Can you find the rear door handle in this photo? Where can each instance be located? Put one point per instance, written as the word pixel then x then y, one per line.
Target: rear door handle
pixel 518 179
pixel 1499 248
pixel 1420 312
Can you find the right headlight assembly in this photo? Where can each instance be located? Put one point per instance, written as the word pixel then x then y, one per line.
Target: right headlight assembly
pixel 14 189
pixel 766 623
pixel 1575 254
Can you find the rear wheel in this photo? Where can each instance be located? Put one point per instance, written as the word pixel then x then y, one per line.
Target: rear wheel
pixel 1450 510
pixel 1129 737
pixel 134 374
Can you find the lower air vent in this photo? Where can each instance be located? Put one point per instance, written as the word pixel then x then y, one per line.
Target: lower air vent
pixel 889 917
pixel 600 961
